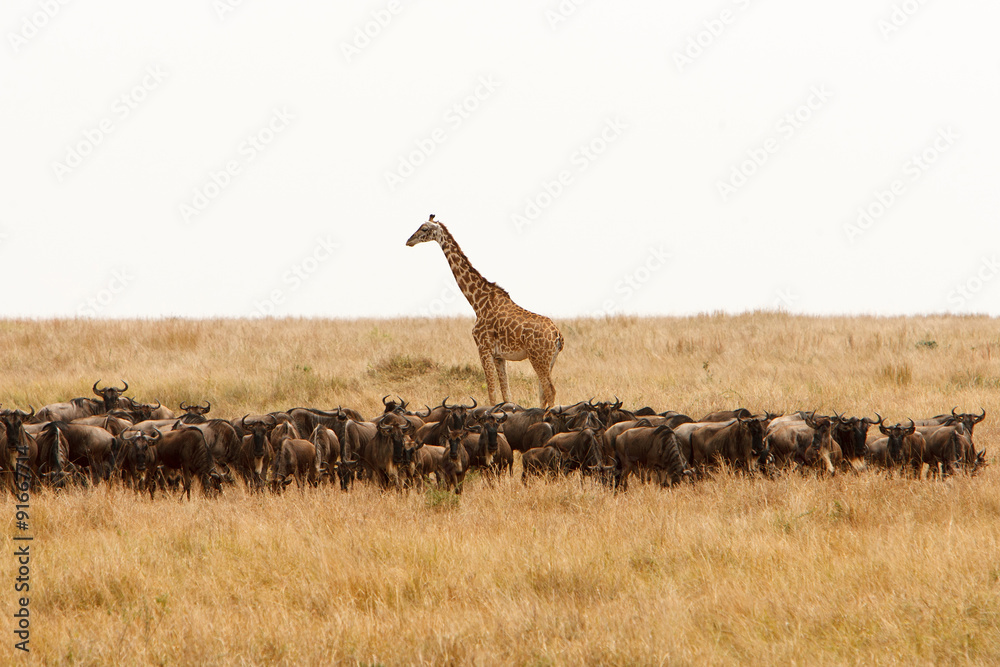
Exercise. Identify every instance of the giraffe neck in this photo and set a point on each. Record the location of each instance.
(477, 290)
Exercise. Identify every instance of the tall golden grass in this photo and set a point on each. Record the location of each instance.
(869, 568)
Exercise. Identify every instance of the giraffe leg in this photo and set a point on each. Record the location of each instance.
(489, 367)
(546, 390)
(501, 365)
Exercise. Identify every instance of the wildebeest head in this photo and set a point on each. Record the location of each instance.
(822, 441)
(259, 430)
(490, 423)
(143, 411)
(586, 419)
(851, 433)
(13, 422)
(196, 409)
(394, 428)
(110, 395)
(394, 406)
(454, 437)
(139, 452)
(896, 434)
(967, 419)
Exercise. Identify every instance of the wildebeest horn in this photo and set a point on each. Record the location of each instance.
(427, 414)
(384, 402)
(444, 403)
(158, 405)
(868, 421)
(982, 416)
(474, 403)
(402, 403)
(208, 406)
(244, 420)
(953, 412)
(33, 413)
(274, 420)
(505, 415)
(185, 407)
(125, 388)
(95, 388)
(912, 425)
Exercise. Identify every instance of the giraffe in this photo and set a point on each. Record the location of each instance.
(503, 331)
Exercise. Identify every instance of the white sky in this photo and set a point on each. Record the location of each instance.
(641, 227)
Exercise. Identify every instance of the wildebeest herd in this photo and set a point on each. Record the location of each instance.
(117, 439)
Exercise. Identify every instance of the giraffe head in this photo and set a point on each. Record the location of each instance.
(429, 231)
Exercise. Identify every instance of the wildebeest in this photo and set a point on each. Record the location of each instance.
(255, 451)
(966, 419)
(113, 422)
(110, 395)
(327, 449)
(196, 409)
(455, 464)
(69, 410)
(19, 447)
(581, 449)
(296, 459)
(541, 462)
(382, 456)
(944, 446)
(136, 456)
(822, 451)
(490, 424)
(739, 442)
(652, 447)
(904, 446)
(185, 450)
(53, 454)
(851, 434)
(91, 447)
(222, 440)
(726, 415)
(518, 424)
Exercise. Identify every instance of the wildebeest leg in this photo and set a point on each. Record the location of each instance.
(187, 484)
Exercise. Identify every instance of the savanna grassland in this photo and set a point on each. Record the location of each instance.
(856, 569)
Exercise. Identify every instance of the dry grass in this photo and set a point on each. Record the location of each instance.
(855, 569)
